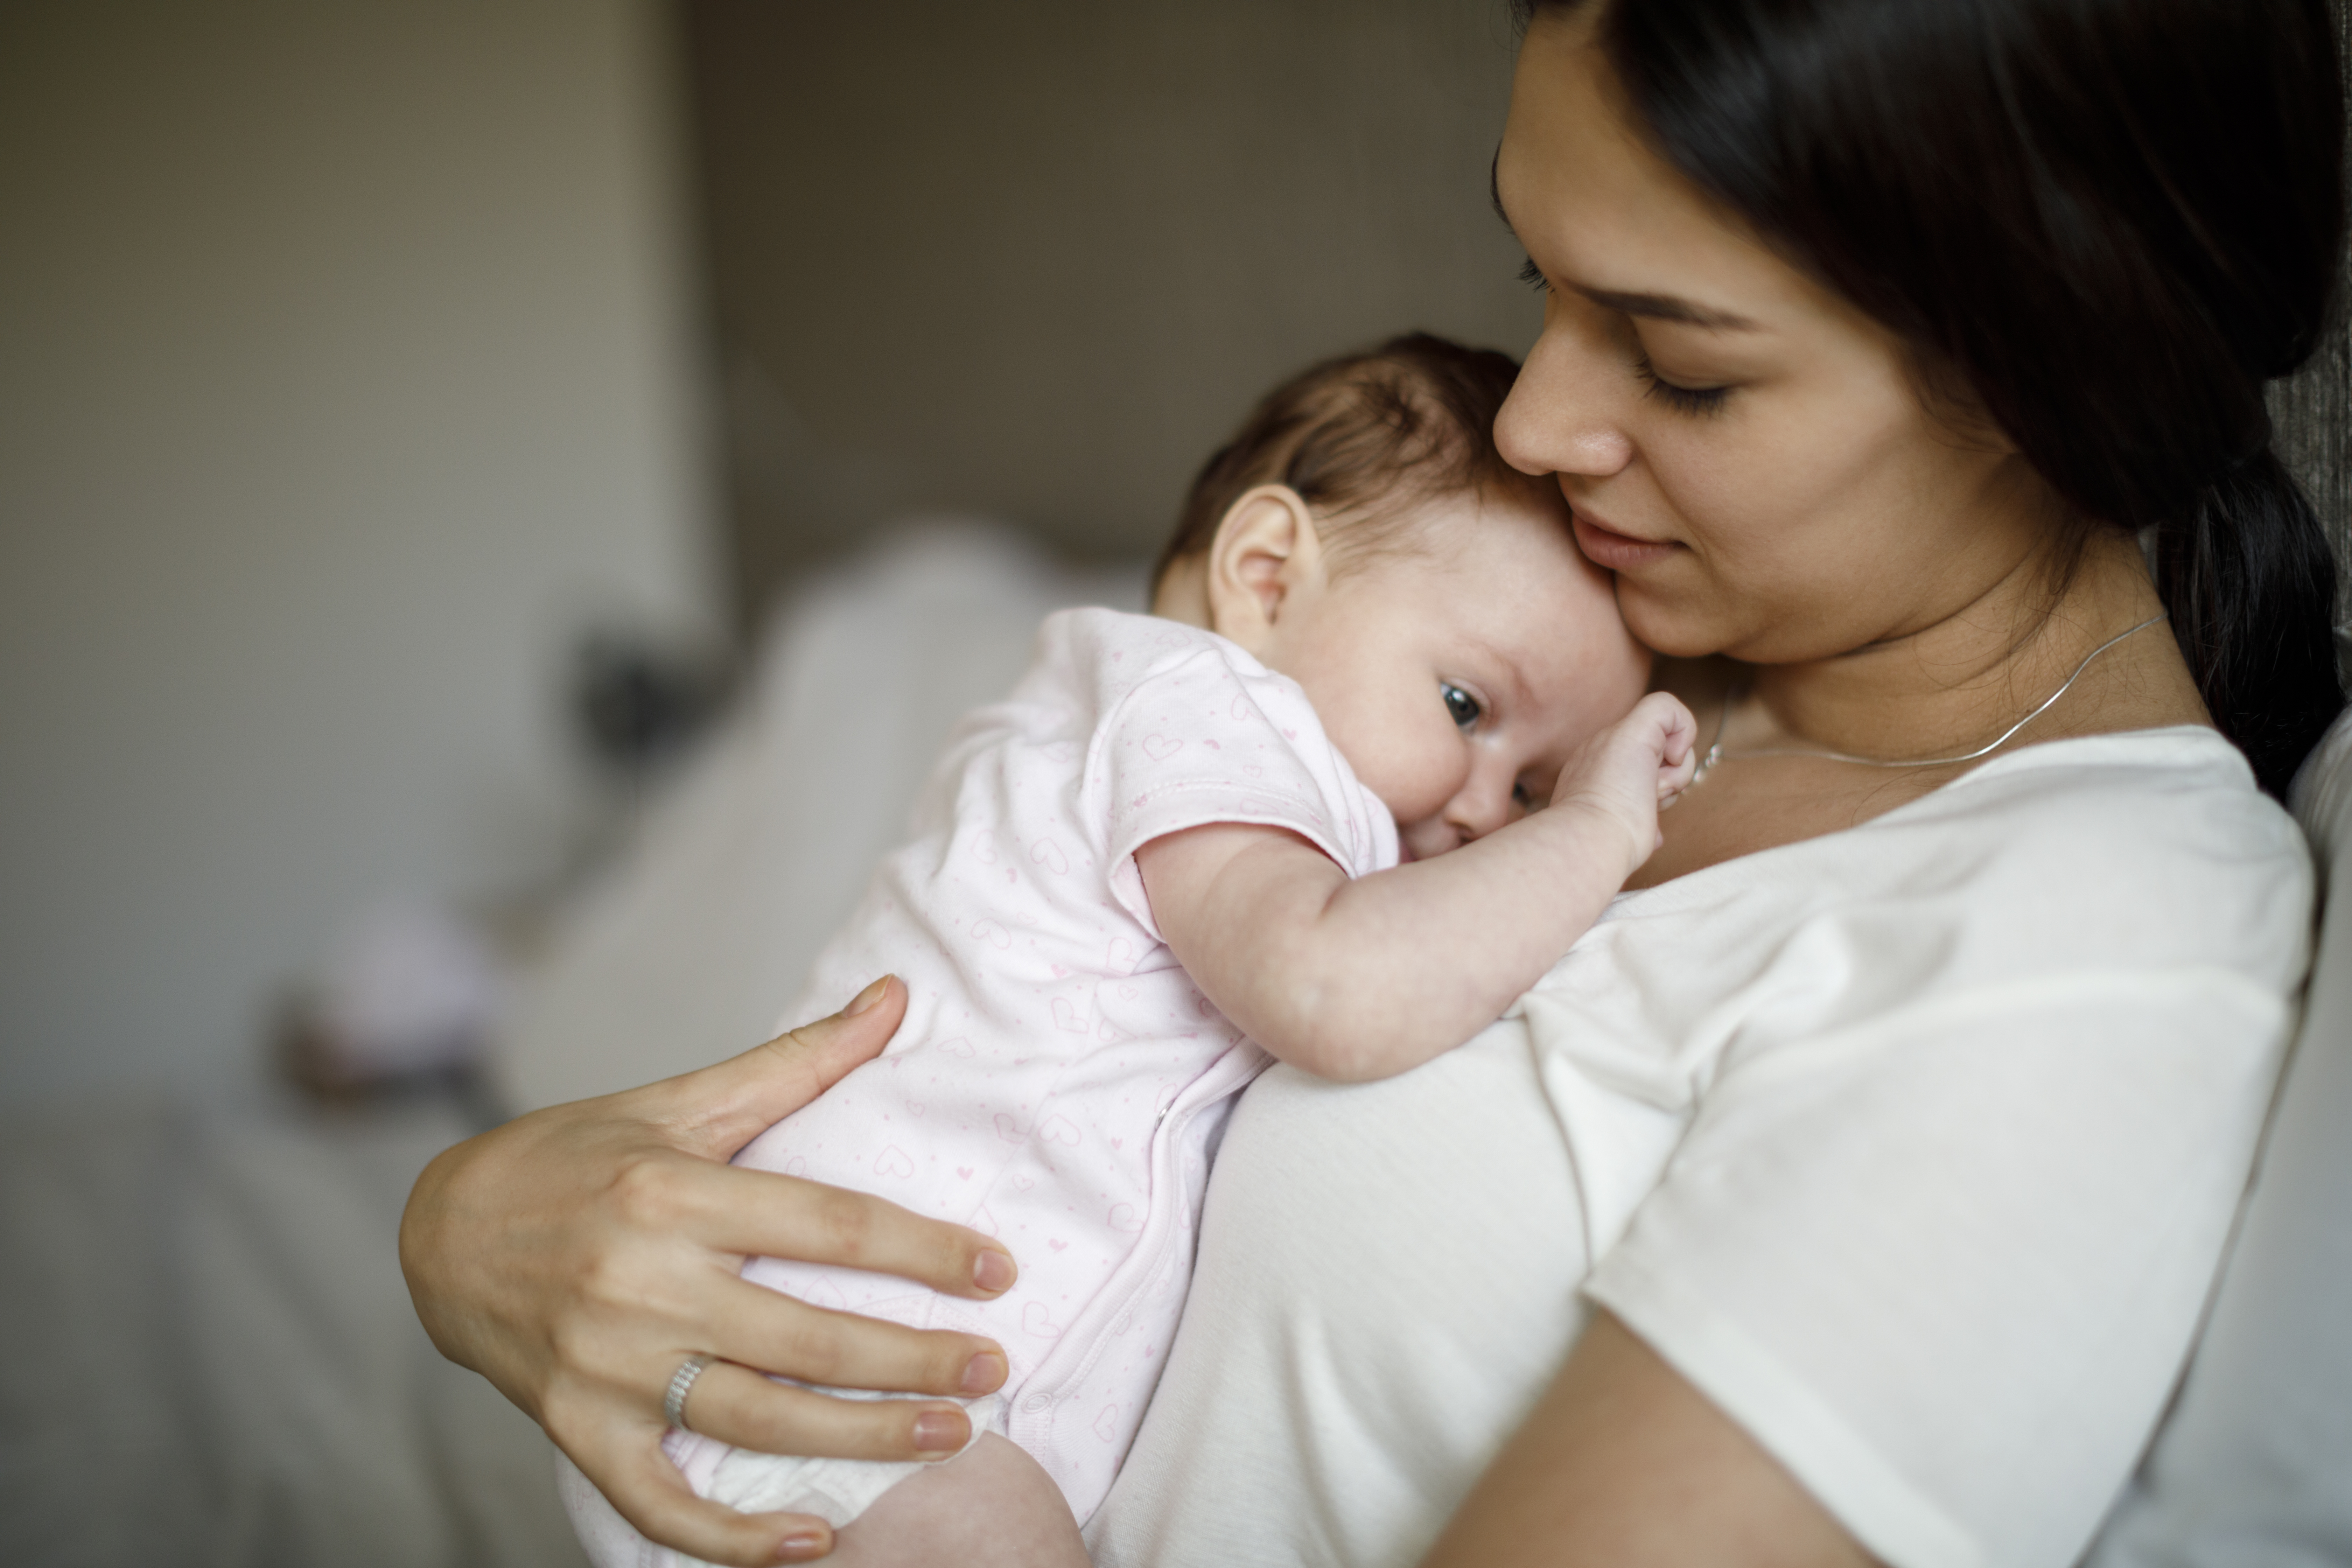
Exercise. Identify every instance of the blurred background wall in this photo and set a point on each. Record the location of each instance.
(347, 371)
(1038, 258)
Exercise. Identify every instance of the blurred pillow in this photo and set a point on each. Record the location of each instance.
(689, 948)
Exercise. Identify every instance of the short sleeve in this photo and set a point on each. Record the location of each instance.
(1210, 736)
(1945, 1262)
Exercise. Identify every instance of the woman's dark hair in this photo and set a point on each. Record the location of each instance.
(2111, 221)
(1365, 439)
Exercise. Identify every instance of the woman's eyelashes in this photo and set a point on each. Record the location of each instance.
(1680, 398)
(1465, 709)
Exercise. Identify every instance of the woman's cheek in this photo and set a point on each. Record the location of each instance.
(1717, 490)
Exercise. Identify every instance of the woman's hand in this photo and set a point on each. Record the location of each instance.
(576, 1255)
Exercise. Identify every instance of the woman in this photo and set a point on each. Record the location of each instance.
(1854, 1191)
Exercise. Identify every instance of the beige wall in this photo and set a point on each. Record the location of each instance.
(1037, 258)
(343, 376)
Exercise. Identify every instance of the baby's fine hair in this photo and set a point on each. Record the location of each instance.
(1366, 440)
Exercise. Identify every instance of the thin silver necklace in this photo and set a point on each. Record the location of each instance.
(1716, 754)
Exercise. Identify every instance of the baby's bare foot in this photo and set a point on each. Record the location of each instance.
(992, 1506)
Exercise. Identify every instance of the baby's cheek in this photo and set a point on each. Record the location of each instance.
(1407, 752)
(1419, 809)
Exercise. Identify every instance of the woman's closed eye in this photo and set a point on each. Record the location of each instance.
(1465, 709)
(1680, 398)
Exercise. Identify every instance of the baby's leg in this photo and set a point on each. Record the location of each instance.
(992, 1506)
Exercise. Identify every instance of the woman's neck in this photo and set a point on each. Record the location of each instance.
(1960, 683)
(1943, 691)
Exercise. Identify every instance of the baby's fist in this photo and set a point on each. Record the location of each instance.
(1631, 768)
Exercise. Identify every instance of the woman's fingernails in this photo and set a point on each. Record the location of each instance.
(941, 1431)
(867, 997)
(800, 1545)
(983, 1374)
(992, 1271)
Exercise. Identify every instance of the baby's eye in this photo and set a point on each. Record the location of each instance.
(1461, 705)
(1523, 797)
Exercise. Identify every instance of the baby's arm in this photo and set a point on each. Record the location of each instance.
(1360, 978)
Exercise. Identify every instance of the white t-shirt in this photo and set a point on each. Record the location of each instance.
(1914, 1146)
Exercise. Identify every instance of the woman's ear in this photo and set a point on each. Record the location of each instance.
(1266, 552)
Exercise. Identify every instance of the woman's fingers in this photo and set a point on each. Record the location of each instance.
(665, 1285)
(737, 1405)
(577, 1255)
(638, 1479)
(717, 1110)
(769, 1331)
(762, 1215)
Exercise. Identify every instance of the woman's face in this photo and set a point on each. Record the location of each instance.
(1746, 450)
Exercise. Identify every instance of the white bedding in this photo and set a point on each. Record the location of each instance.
(212, 1359)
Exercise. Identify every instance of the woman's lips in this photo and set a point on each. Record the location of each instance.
(1617, 551)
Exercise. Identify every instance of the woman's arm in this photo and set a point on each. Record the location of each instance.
(576, 1255)
(1358, 979)
(1624, 1464)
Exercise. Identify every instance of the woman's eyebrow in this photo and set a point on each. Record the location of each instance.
(1668, 308)
(1655, 307)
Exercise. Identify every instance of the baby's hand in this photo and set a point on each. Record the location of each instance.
(1628, 771)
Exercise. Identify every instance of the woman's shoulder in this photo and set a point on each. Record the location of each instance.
(2164, 802)
(2126, 852)
(2147, 847)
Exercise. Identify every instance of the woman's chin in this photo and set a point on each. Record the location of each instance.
(1673, 627)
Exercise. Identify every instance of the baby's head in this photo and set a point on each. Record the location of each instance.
(1362, 535)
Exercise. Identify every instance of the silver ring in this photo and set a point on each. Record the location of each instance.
(681, 1383)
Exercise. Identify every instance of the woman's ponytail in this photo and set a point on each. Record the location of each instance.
(2250, 581)
(2111, 221)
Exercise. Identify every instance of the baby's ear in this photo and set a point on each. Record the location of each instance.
(1267, 548)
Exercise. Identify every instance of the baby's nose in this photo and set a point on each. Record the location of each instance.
(1485, 804)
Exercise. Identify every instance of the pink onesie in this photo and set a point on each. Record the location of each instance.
(1058, 1079)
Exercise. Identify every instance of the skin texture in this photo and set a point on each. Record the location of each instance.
(1465, 680)
(1887, 567)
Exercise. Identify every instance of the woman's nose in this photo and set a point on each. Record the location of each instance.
(1562, 415)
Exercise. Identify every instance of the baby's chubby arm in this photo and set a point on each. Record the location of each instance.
(1358, 979)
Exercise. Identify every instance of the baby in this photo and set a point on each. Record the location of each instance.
(1293, 814)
